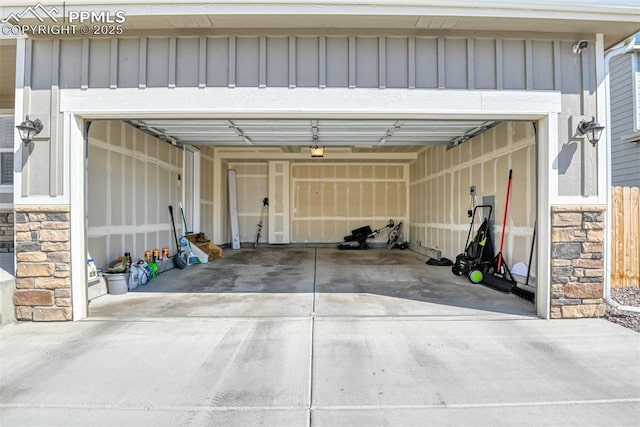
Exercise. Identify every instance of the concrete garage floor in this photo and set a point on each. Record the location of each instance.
(407, 355)
(293, 282)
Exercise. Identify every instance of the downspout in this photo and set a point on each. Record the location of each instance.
(619, 49)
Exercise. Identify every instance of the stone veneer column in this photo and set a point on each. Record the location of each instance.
(6, 231)
(577, 265)
(43, 255)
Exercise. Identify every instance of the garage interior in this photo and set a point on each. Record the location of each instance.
(415, 171)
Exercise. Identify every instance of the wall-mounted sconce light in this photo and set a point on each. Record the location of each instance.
(591, 129)
(28, 129)
(317, 151)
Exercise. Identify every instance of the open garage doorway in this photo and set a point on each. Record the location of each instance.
(418, 172)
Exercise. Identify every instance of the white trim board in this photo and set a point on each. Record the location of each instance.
(308, 102)
(612, 10)
(305, 102)
(77, 185)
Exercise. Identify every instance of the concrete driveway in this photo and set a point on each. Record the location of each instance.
(400, 358)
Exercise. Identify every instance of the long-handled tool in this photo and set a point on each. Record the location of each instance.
(184, 220)
(180, 259)
(265, 203)
(504, 220)
(192, 259)
(533, 242)
(498, 275)
(521, 292)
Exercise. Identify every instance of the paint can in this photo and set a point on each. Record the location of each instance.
(156, 255)
(165, 253)
(147, 256)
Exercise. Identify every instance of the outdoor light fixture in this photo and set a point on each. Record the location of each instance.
(28, 129)
(580, 46)
(592, 130)
(317, 151)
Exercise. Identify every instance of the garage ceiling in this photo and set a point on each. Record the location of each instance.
(323, 132)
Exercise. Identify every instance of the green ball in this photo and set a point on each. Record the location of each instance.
(476, 276)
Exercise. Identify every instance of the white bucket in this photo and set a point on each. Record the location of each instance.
(117, 283)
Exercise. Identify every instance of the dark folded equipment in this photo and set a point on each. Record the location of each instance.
(442, 262)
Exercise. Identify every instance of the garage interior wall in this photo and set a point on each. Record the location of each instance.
(207, 200)
(330, 200)
(327, 200)
(224, 223)
(440, 190)
(252, 181)
(132, 179)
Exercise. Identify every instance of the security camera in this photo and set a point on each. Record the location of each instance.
(580, 46)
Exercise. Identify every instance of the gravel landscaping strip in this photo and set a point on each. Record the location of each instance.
(628, 319)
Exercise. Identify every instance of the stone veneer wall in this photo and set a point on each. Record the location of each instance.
(43, 254)
(6, 231)
(577, 265)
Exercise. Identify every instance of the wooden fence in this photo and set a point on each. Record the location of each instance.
(625, 237)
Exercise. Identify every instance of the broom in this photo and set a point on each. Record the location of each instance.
(498, 275)
(179, 259)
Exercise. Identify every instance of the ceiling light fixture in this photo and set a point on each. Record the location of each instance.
(317, 151)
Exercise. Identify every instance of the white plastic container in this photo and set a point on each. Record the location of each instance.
(92, 270)
(117, 283)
